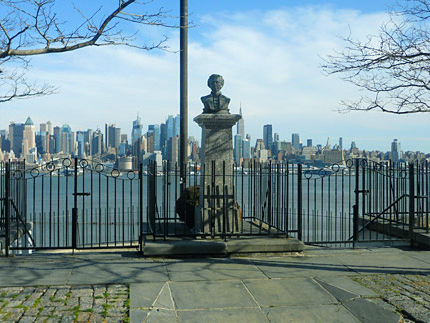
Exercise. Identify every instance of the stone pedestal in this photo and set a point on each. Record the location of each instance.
(216, 186)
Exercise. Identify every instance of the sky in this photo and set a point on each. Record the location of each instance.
(269, 53)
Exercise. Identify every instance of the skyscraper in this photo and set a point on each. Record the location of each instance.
(80, 138)
(241, 125)
(57, 131)
(97, 143)
(136, 133)
(267, 136)
(16, 132)
(66, 140)
(246, 149)
(340, 143)
(170, 125)
(396, 152)
(154, 131)
(295, 141)
(238, 148)
(29, 133)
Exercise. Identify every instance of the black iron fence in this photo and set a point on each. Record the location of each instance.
(72, 203)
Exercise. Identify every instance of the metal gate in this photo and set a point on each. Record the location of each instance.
(391, 201)
(72, 204)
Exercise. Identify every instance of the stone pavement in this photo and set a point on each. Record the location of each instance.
(341, 285)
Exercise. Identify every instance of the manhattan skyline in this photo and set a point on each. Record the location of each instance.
(270, 67)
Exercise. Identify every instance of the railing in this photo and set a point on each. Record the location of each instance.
(72, 203)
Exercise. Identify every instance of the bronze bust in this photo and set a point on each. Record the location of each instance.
(215, 102)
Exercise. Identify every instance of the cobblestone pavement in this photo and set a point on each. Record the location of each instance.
(410, 294)
(96, 303)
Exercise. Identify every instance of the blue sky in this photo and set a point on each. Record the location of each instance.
(269, 53)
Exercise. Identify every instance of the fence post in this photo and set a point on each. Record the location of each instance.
(357, 201)
(354, 225)
(141, 237)
(7, 208)
(299, 202)
(75, 208)
(411, 201)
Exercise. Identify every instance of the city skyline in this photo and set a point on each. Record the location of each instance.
(271, 69)
(268, 134)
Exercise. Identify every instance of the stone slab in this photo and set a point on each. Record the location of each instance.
(30, 274)
(340, 294)
(226, 315)
(212, 269)
(255, 245)
(349, 285)
(289, 292)
(209, 295)
(144, 295)
(184, 247)
(285, 267)
(369, 312)
(389, 263)
(172, 248)
(100, 272)
(311, 314)
(137, 316)
(161, 316)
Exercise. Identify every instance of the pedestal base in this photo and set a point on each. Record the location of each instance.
(217, 211)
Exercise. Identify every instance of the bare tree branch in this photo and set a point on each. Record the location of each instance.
(34, 27)
(393, 67)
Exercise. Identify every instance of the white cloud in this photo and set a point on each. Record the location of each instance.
(270, 63)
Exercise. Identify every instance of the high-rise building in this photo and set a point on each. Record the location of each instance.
(66, 140)
(154, 131)
(267, 136)
(170, 124)
(57, 132)
(163, 136)
(49, 124)
(16, 133)
(136, 134)
(80, 139)
(246, 149)
(43, 127)
(173, 149)
(97, 143)
(396, 152)
(112, 136)
(241, 125)
(340, 143)
(295, 141)
(238, 148)
(29, 133)
(309, 143)
(177, 126)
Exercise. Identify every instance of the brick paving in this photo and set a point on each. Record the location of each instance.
(95, 303)
(410, 294)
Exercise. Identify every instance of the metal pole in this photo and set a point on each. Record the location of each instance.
(411, 202)
(7, 208)
(183, 88)
(299, 202)
(75, 208)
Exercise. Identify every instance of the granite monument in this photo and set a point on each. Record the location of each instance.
(217, 213)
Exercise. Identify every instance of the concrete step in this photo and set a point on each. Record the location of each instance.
(221, 248)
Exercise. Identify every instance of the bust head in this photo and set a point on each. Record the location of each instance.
(216, 82)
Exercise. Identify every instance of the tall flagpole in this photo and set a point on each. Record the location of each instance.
(183, 89)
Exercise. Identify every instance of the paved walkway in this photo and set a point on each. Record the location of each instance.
(362, 285)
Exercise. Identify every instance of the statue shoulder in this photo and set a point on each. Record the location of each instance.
(227, 99)
(205, 98)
